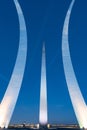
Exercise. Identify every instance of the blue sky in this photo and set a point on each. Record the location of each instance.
(44, 21)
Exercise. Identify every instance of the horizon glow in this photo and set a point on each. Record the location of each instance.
(79, 105)
(11, 95)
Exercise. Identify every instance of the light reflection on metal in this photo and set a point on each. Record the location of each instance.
(43, 92)
(77, 99)
(10, 98)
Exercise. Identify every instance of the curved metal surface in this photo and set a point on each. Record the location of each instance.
(77, 99)
(10, 98)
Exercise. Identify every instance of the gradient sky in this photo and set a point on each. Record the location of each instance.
(44, 21)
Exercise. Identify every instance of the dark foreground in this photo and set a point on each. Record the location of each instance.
(42, 129)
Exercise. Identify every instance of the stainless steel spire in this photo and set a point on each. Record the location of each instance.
(43, 91)
(77, 99)
(10, 98)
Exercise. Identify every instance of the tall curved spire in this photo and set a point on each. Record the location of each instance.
(10, 98)
(77, 99)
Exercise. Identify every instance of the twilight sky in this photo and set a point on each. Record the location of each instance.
(44, 21)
